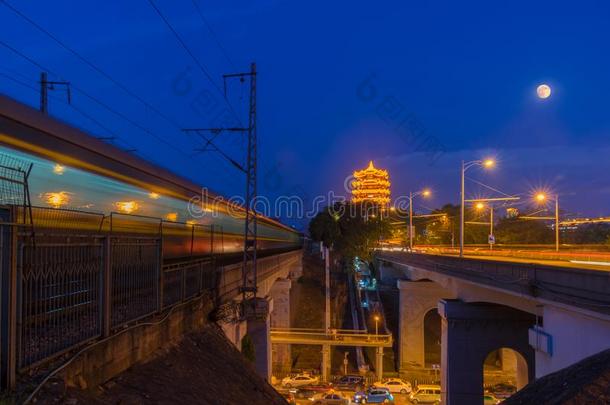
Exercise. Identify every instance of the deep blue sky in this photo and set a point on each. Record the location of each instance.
(466, 71)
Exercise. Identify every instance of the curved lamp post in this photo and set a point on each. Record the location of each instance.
(486, 164)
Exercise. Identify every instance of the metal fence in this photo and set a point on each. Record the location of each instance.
(74, 286)
(185, 280)
(59, 294)
(135, 264)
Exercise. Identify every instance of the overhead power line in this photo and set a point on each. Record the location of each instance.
(78, 110)
(90, 64)
(97, 101)
(213, 34)
(199, 64)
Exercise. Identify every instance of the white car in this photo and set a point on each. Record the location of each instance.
(395, 385)
(299, 380)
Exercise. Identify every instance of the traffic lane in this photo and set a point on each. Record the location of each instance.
(580, 264)
(556, 263)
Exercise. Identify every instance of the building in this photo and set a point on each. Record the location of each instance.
(371, 185)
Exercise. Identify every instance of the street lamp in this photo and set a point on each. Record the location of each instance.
(480, 206)
(376, 324)
(541, 198)
(425, 193)
(486, 164)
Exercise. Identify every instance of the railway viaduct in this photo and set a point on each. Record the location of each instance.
(275, 276)
(101, 250)
(551, 317)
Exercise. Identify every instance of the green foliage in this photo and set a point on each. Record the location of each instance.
(442, 230)
(516, 231)
(588, 233)
(324, 227)
(247, 348)
(351, 229)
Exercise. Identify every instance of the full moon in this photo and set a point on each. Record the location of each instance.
(543, 91)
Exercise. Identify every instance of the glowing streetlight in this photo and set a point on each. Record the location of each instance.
(541, 198)
(425, 193)
(486, 164)
(376, 324)
(479, 206)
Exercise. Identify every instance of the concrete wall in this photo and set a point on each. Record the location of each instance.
(416, 299)
(280, 318)
(469, 333)
(574, 336)
(234, 331)
(116, 354)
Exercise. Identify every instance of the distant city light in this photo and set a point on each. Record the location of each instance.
(426, 193)
(172, 216)
(543, 91)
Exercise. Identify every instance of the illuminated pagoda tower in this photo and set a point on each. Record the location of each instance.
(371, 185)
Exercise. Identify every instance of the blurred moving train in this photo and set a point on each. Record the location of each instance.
(79, 182)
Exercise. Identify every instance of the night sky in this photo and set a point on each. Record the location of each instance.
(336, 81)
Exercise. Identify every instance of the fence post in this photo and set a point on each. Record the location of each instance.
(107, 287)
(160, 272)
(13, 307)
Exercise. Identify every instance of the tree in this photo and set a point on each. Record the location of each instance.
(324, 227)
(445, 229)
(352, 229)
(588, 234)
(516, 231)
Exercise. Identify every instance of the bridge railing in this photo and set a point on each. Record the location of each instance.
(582, 288)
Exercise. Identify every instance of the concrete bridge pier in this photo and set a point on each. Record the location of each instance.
(326, 359)
(417, 298)
(470, 331)
(259, 331)
(280, 318)
(379, 363)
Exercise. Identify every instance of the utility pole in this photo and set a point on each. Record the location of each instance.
(249, 271)
(250, 226)
(491, 227)
(557, 223)
(45, 86)
(327, 288)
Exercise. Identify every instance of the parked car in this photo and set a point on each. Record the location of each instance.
(374, 395)
(308, 391)
(299, 380)
(350, 383)
(334, 398)
(395, 385)
(426, 394)
(489, 399)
